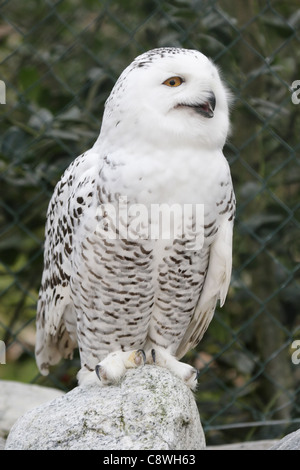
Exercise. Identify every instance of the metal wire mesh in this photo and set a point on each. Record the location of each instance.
(59, 60)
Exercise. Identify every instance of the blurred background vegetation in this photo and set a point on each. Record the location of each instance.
(59, 61)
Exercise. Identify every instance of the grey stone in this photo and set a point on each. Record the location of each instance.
(289, 442)
(17, 398)
(149, 409)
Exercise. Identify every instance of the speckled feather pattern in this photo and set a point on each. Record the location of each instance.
(104, 294)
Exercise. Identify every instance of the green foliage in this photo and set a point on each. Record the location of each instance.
(59, 61)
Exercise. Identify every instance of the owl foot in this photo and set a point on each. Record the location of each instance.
(113, 367)
(185, 372)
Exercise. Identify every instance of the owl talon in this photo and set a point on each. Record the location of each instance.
(161, 357)
(113, 367)
(153, 356)
(140, 356)
(98, 372)
(191, 376)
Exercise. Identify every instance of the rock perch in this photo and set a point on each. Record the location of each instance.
(150, 409)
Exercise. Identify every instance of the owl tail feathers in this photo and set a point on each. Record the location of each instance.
(50, 349)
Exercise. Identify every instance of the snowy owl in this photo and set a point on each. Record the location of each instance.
(114, 285)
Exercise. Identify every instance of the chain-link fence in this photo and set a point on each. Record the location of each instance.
(59, 60)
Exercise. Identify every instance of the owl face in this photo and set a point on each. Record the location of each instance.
(171, 95)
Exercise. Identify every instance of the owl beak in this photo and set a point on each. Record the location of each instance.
(206, 109)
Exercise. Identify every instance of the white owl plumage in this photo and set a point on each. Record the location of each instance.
(129, 300)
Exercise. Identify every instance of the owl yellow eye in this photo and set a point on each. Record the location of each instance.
(173, 81)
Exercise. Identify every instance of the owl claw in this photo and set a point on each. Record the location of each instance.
(153, 356)
(163, 358)
(191, 377)
(98, 372)
(114, 366)
(140, 355)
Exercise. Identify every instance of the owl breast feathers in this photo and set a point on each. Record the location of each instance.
(138, 239)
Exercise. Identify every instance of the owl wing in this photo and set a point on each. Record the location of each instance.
(56, 320)
(216, 283)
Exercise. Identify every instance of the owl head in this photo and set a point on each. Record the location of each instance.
(166, 97)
